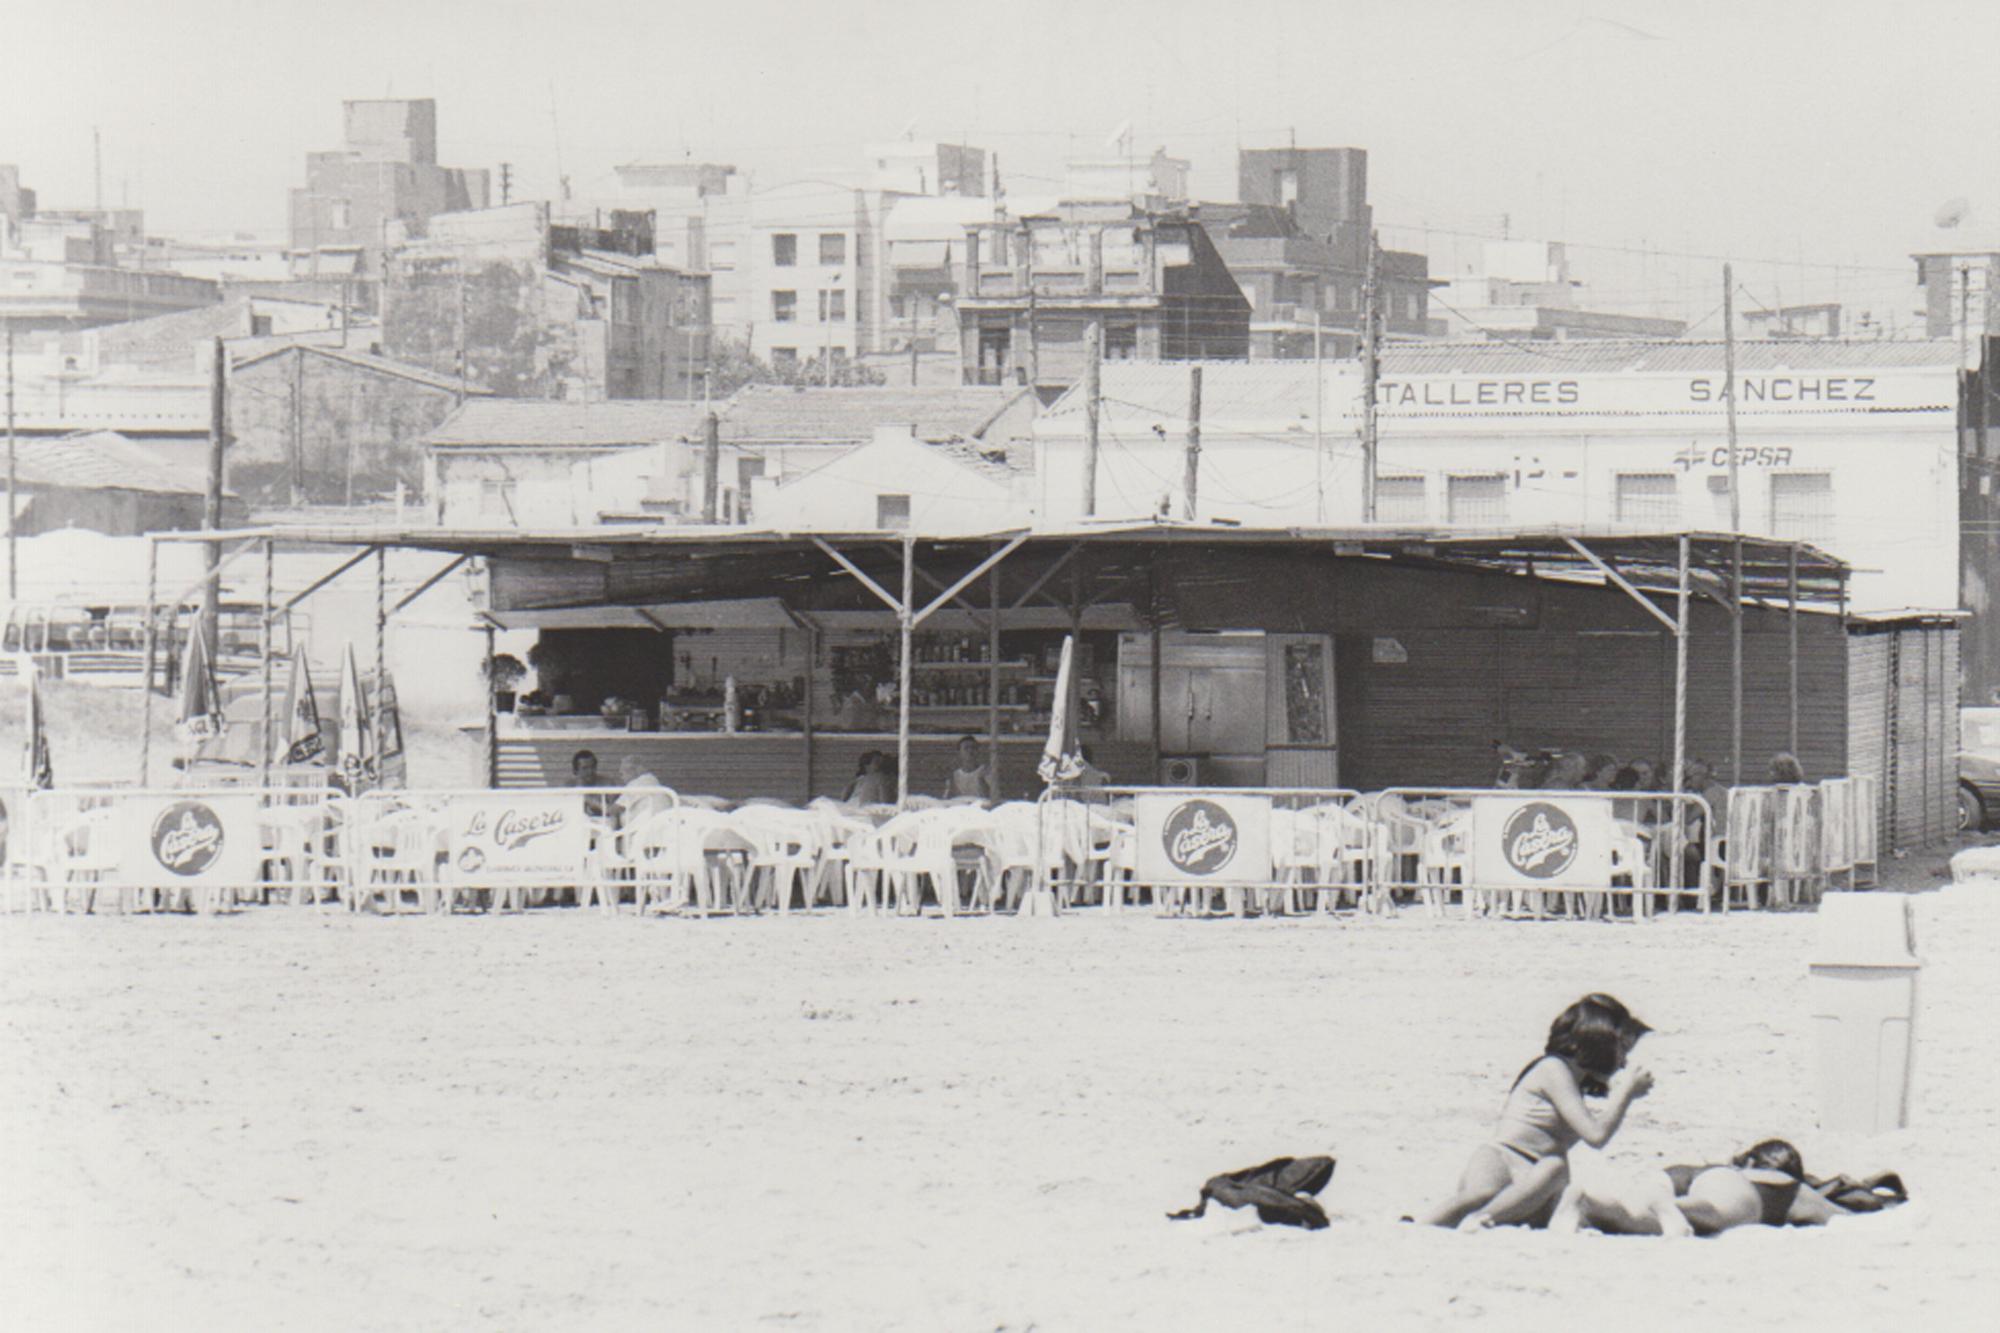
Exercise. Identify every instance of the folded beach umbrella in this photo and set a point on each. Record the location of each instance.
(201, 698)
(1060, 761)
(36, 770)
(299, 740)
(354, 743)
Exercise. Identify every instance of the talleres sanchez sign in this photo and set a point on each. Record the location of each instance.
(1900, 389)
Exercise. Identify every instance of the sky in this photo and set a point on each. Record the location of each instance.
(1812, 142)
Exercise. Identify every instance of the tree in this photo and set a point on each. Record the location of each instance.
(732, 365)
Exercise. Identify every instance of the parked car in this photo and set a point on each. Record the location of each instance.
(1978, 767)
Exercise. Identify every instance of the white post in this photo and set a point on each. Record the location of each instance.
(903, 620)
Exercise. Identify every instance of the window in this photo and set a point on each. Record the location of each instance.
(260, 326)
(1121, 342)
(892, 513)
(1476, 501)
(340, 215)
(1288, 186)
(1399, 500)
(496, 501)
(722, 255)
(1649, 497)
(833, 306)
(784, 249)
(784, 307)
(1802, 505)
(832, 248)
(784, 358)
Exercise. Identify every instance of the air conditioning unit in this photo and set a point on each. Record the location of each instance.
(1181, 770)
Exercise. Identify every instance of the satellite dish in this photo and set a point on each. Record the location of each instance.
(1119, 135)
(909, 129)
(1952, 212)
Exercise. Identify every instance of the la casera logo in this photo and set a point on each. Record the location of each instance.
(1539, 840)
(1200, 838)
(187, 837)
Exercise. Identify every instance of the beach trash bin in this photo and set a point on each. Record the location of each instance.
(1863, 992)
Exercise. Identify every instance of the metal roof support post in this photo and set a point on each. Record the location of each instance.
(381, 640)
(1013, 544)
(264, 664)
(906, 625)
(1681, 674)
(428, 584)
(1624, 584)
(325, 579)
(152, 644)
(1792, 633)
(993, 675)
(1736, 663)
(492, 718)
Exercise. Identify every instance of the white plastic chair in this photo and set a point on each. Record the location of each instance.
(1836, 829)
(1740, 859)
(1864, 829)
(1795, 843)
(396, 851)
(784, 848)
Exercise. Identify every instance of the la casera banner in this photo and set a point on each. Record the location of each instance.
(1529, 842)
(200, 838)
(518, 837)
(1202, 838)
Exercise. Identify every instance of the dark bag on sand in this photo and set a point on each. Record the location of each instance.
(1280, 1190)
(1871, 1195)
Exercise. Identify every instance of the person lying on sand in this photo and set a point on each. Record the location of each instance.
(1763, 1185)
(1518, 1175)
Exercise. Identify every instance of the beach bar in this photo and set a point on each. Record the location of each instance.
(743, 662)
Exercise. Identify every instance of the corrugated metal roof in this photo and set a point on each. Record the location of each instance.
(103, 460)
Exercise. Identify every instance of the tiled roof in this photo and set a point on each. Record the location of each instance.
(775, 414)
(381, 365)
(990, 465)
(103, 460)
(611, 425)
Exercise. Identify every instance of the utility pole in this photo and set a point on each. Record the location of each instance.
(1319, 432)
(298, 471)
(1371, 368)
(1093, 351)
(13, 583)
(506, 183)
(461, 335)
(97, 173)
(1729, 391)
(211, 514)
(1736, 530)
(711, 465)
(1193, 439)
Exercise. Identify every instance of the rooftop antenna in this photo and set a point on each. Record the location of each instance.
(555, 130)
(909, 131)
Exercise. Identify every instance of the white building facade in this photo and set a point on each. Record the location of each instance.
(1849, 447)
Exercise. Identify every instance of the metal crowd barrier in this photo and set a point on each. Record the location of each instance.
(1194, 850)
(210, 849)
(1534, 853)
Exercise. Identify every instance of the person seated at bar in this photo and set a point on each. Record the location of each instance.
(640, 794)
(870, 785)
(971, 777)
(1786, 771)
(1090, 775)
(583, 774)
(858, 712)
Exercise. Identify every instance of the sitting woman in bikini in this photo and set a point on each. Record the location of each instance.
(1519, 1174)
(1763, 1185)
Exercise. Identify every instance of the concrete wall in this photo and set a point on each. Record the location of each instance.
(314, 430)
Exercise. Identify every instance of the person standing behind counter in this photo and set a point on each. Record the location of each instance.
(971, 778)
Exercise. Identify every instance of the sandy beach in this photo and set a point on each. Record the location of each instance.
(301, 1119)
